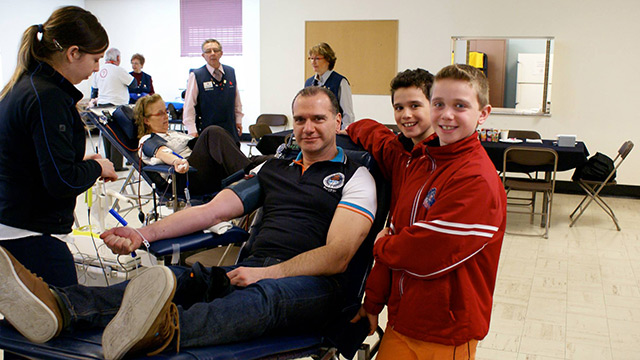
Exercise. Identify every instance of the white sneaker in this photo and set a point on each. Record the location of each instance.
(147, 319)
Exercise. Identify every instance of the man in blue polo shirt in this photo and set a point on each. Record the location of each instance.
(317, 209)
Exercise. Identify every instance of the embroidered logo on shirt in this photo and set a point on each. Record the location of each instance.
(333, 181)
(430, 199)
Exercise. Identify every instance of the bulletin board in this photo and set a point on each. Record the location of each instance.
(367, 52)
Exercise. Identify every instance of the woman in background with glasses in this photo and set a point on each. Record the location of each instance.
(213, 153)
(323, 59)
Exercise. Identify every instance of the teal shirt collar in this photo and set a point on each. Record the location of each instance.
(339, 157)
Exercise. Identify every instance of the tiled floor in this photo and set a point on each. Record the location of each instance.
(575, 295)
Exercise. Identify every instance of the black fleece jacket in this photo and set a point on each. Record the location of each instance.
(42, 146)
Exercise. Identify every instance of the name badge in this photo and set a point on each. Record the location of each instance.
(208, 85)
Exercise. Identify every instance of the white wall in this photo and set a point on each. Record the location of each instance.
(145, 26)
(16, 17)
(152, 28)
(595, 95)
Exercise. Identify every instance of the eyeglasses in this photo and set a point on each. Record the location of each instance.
(209, 51)
(315, 58)
(159, 113)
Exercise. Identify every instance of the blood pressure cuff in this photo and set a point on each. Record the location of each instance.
(152, 145)
(250, 193)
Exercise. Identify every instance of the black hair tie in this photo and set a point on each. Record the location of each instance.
(40, 28)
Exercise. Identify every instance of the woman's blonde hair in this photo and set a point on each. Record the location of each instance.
(66, 27)
(139, 113)
(323, 49)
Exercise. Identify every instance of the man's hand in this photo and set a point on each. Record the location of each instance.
(384, 232)
(92, 157)
(194, 134)
(373, 319)
(121, 240)
(245, 276)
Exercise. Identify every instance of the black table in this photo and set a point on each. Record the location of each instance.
(568, 157)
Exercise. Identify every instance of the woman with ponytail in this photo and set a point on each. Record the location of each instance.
(43, 167)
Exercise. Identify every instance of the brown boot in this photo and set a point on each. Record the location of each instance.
(27, 302)
(147, 320)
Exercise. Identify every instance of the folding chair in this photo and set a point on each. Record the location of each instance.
(593, 188)
(531, 159)
(257, 131)
(273, 120)
(524, 134)
(342, 337)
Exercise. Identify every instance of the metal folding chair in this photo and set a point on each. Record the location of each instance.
(524, 134)
(257, 131)
(531, 159)
(593, 188)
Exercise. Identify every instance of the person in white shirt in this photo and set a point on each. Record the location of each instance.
(110, 87)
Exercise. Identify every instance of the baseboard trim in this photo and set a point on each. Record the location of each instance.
(569, 187)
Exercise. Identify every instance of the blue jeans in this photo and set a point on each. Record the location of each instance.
(269, 306)
(45, 256)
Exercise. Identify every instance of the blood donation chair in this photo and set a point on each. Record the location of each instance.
(341, 337)
(120, 131)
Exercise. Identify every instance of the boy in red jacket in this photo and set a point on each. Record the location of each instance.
(436, 264)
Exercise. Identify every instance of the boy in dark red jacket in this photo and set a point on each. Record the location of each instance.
(436, 264)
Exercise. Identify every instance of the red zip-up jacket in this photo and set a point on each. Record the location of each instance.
(437, 271)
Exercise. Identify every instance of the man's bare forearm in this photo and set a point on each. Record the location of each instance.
(225, 206)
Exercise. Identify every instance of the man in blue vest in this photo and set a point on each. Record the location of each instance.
(212, 96)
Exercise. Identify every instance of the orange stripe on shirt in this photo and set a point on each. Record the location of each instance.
(356, 211)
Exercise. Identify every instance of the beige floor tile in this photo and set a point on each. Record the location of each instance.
(513, 290)
(584, 329)
(523, 356)
(551, 286)
(624, 335)
(627, 288)
(580, 351)
(500, 341)
(621, 301)
(543, 308)
(491, 354)
(542, 330)
(521, 268)
(624, 354)
(623, 313)
(586, 303)
(504, 310)
(551, 266)
(550, 348)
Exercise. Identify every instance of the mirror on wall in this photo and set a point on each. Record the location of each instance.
(519, 70)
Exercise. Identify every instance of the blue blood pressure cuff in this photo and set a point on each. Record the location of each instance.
(250, 193)
(152, 145)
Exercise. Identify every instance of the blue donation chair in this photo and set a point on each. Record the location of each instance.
(342, 338)
(119, 129)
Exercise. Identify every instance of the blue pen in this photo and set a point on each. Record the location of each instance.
(122, 221)
(176, 154)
